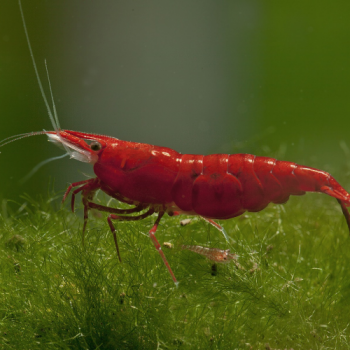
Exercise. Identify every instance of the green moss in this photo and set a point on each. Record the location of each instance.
(290, 289)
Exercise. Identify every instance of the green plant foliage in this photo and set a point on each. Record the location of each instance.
(289, 288)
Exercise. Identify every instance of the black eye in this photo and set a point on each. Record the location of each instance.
(95, 146)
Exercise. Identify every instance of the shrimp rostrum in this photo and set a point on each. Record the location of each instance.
(158, 180)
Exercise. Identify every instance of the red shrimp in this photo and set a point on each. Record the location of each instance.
(159, 180)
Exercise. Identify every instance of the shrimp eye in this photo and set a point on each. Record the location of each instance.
(95, 146)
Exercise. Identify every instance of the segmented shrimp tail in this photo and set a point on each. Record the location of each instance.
(345, 211)
(342, 196)
(336, 191)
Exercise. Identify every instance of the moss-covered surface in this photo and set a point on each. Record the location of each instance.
(291, 288)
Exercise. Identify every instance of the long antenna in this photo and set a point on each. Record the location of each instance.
(38, 166)
(52, 99)
(54, 124)
(53, 116)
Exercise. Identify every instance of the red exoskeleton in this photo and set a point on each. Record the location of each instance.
(158, 180)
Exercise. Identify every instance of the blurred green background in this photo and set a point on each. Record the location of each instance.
(264, 77)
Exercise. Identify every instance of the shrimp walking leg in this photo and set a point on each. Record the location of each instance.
(159, 248)
(88, 189)
(111, 210)
(91, 205)
(217, 226)
(151, 234)
(75, 184)
(124, 218)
